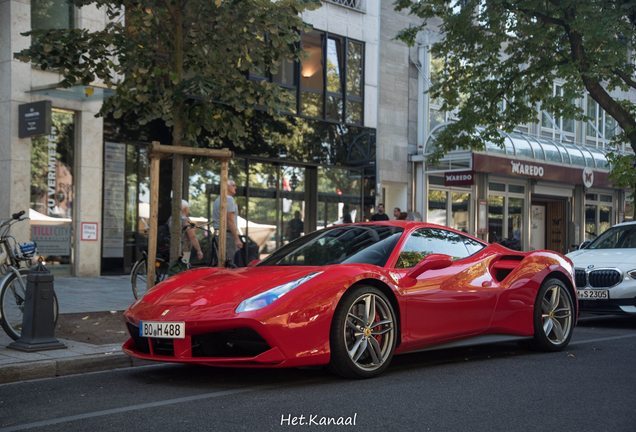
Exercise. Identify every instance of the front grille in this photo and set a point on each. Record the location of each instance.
(604, 278)
(140, 342)
(580, 278)
(163, 346)
(240, 342)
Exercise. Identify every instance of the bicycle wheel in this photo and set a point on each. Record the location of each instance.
(12, 297)
(139, 275)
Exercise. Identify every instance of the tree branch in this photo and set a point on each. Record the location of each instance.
(622, 75)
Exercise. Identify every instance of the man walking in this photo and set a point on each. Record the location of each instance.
(380, 216)
(232, 240)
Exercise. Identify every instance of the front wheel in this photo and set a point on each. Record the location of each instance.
(553, 317)
(139, 275)
(12, 299)
(363, 334)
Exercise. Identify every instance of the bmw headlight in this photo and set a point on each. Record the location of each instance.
(632, 273)
(265, 298)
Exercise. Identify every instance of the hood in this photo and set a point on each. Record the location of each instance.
(604, 258)
(201, 287)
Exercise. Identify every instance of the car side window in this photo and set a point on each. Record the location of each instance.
(426, 241)
(472, 245)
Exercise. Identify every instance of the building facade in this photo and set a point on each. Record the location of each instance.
(91, 173)
(547, 189)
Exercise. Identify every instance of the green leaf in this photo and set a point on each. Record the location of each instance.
(47, 48)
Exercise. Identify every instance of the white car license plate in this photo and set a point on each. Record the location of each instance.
(592, 294)
(160, 329)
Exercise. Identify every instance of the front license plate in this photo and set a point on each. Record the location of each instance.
(591, 294)
(160, 329)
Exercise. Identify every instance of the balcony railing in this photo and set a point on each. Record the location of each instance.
(353, 4)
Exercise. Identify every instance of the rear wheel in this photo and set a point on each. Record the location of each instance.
(363, 334)
(553, 317)
(12, 300)
(139, 275)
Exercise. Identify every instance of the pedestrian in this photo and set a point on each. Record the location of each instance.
(346, 214)
(188, 238)
(396, 212)
(232, 240)
(380, 215)
(295, 227)
(403, 216)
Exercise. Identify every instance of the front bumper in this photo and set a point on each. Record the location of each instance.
(611, 306)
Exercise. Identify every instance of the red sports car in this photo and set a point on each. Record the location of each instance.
(352, 296)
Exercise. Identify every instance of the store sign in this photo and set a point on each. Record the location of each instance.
(34, 119)
(559, 173)
(588, 177)
(463, 178)
(52, 239)
(526, 170)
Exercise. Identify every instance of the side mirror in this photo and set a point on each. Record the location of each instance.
(253, 263)
(431, 262)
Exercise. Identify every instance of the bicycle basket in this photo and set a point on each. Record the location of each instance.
(28, 249)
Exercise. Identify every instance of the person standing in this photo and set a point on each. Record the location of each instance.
(232, 240)
(380, 215)
(396, 212)
(295, 226)
(188, 238)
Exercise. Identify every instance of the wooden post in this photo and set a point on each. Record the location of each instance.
(223, 213)
(154, 215)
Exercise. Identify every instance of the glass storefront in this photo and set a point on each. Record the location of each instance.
(52, 192)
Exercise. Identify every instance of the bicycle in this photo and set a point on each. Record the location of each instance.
(138, 274)
(13, 286)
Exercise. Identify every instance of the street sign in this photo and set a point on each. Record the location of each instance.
(34, 119)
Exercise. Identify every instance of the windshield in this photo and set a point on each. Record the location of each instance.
(619, 237)
(352, 244)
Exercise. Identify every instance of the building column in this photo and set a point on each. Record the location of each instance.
(15, 80)
(89, 153)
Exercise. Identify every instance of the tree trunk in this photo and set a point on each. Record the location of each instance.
(177, 137)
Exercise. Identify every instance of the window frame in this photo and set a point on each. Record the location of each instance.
(344, 96)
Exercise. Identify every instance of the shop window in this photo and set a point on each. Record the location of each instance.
(437, 207)
(52, 192)
(505, 215)
(51, 14)
(598, 214)
(629, 211)
(459, 212)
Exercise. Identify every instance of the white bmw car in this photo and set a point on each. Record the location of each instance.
(605, 272)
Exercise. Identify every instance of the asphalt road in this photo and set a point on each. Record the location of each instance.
(499, 387)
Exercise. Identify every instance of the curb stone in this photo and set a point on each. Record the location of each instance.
(26, 371)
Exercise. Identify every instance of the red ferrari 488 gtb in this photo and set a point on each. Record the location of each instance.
(351, 296)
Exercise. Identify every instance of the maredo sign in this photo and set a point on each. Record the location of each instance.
(459, 178)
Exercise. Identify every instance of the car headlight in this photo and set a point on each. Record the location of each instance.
(632, 273)
(265, 298)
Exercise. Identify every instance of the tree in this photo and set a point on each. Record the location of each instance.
(509, 51)
(185, 62)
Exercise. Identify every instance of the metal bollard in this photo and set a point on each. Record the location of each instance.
(38, 320)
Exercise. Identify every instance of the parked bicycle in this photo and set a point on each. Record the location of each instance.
(163, 270)
(15, 261)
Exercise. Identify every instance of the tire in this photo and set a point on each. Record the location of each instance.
(139, 279)
(553, 317)
(357, 349)
(12, 298)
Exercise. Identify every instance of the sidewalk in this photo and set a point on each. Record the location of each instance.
(75, 295)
